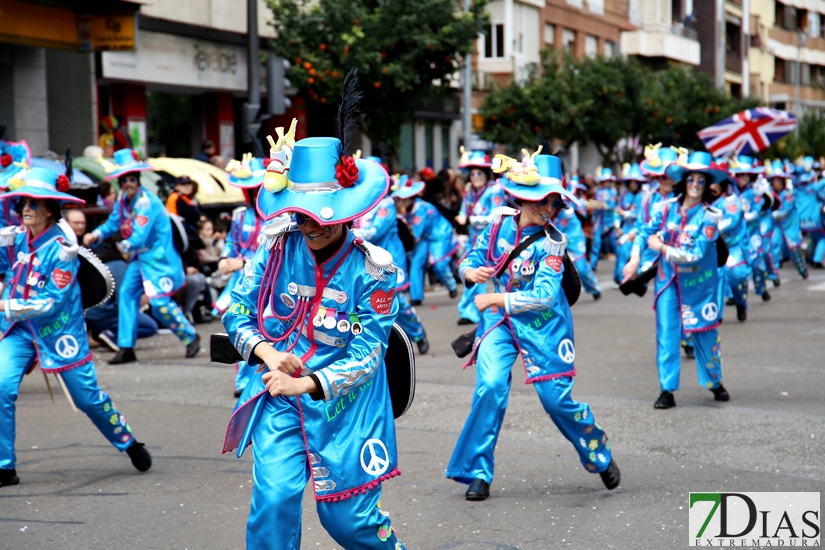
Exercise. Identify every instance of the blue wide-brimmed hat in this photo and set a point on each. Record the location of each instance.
(776, 169)
(373, 158)
(42, 183)
(632, 172)
(408, 188)
(657, 160)
(312, 188)
(605, 174)
(474, 159)
(574, 183)
(14, 157)
(805, 170)
(126, 161)
(247, 173)
(548, 179)
(744, 165)
(698, 161)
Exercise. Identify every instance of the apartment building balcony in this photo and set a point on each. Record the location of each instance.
(677, 42)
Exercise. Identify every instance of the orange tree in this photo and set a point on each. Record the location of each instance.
(406, 52)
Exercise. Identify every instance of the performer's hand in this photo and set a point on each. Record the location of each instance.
(654, 242)
(279, 383)
(276, 360)
(230, 265)
(484, 301)
(618, 231)
(89, 238)
(479, 275)
(630, 269)
(461, 219)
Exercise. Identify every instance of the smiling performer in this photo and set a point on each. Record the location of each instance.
(314, 309)
(155, 266)
(41, 317)
(684, 234)
(529, 314)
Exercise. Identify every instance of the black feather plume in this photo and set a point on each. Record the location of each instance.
(68, 162)
(349, 114)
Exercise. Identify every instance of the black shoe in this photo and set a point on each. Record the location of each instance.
(125, 355)
(193, 347)
(689, 352)
(665, 401)
(612, 476)
(766, 297)
(730, 302)
(720, 393)
(238, 393)
(805, 275)
(454, 293)
(479, 490)
(465, 321)
(415, 302)
(8, 477)
(741, 313)
(141, 459)
(817, 265)
(776, 282)
(108, 339)
(597, 296)
(423, 345)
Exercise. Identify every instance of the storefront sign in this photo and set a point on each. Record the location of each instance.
(179, 61)
(107, 32)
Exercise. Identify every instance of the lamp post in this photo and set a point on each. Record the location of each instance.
(796, 108)
(468, 91)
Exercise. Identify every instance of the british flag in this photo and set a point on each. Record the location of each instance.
(747, 132)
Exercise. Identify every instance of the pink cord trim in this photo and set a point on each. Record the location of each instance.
(550, 377)
(344, 495)
(74, 365)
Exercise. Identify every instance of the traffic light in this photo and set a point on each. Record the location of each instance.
(277, 85)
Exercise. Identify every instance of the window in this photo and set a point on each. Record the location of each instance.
(611, 49)
(494, 40)
(591, 46)
(549, 34)
(814, 25)
(779, 70)
(804, 74)
(569, 40)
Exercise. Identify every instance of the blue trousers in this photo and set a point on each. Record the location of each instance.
(781, 249)
(608, 243)
(588, 278)
(420, 262)
(164, 309)
(818, 244)
(706, 345)
(243, 372)
(473, 454)
(281, 471)
(736, 284)
(622, 256)
(466, 304)
(17, 351)
(407, 317)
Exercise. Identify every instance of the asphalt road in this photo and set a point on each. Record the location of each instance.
(78, 492)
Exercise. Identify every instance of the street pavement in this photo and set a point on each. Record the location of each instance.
(77, 492)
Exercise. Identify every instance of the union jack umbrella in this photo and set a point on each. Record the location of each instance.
(747, 132)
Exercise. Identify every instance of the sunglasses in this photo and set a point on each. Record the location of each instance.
(130, 179)
(557, 203)
(695, 179)
(24, 202)
(299, 218)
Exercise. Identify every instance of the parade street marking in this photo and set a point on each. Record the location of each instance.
(378, 461)
(819, 287)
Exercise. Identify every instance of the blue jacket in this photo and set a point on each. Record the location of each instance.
(810, 199)
(147, 231)
(651, 204)
(786, 219)
(734, 230)
(242, 239)
(690, 261)
(568, 223)
(537, 312)
(380, 227)
(427, 224)
(338, 316)
(43, 296)
(604, 219)
(478, 206)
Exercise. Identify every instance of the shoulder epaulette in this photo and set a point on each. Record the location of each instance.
(377, 261)
(239, 211)
(500, 211)
(276, 230)
(713, 214)
(68, 250)
(143, 202)
(555, 242)
(8, 234)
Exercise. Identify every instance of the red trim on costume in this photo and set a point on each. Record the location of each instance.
(344, 495)
(546, 377)
(74, 365)
(447, 255)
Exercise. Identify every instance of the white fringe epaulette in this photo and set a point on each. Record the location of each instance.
(555, 243)
(500, 211)
(276, 230)
(68, 250)
(238, 212)
(377, 261)
(143, 202)
(8, 234)
(713, 215)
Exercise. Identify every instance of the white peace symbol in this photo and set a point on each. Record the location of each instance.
(756, 241)
(710, 311)
(567, 352)
(166, 284)
(377, 465)
(66, 346)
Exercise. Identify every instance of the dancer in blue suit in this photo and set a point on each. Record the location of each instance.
(41, 318)
(528, 314)
(627, 210)
(787, 234)
(603, 216)
(684, 235)
(480, 198)
(810, 203)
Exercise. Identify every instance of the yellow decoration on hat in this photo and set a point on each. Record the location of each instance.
(465, 156)
(280, 154)
(626, 170)
(524, 172)
(683, 155)
(241, 169)
(652, 155)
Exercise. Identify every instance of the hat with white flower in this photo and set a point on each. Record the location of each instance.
(657, 159)
(473, 159)
(43, 184)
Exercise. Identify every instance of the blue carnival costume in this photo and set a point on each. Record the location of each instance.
(735, 274)
(155, 267)
(604, 218)
(686, 282)
(43, 322)
(435, 241)
(535, 323)
(628, 209)
(15, 158)
(787, 233)
(810, 202)
(754, 196)
(336, 317)
(477, 208)
(568, 223)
